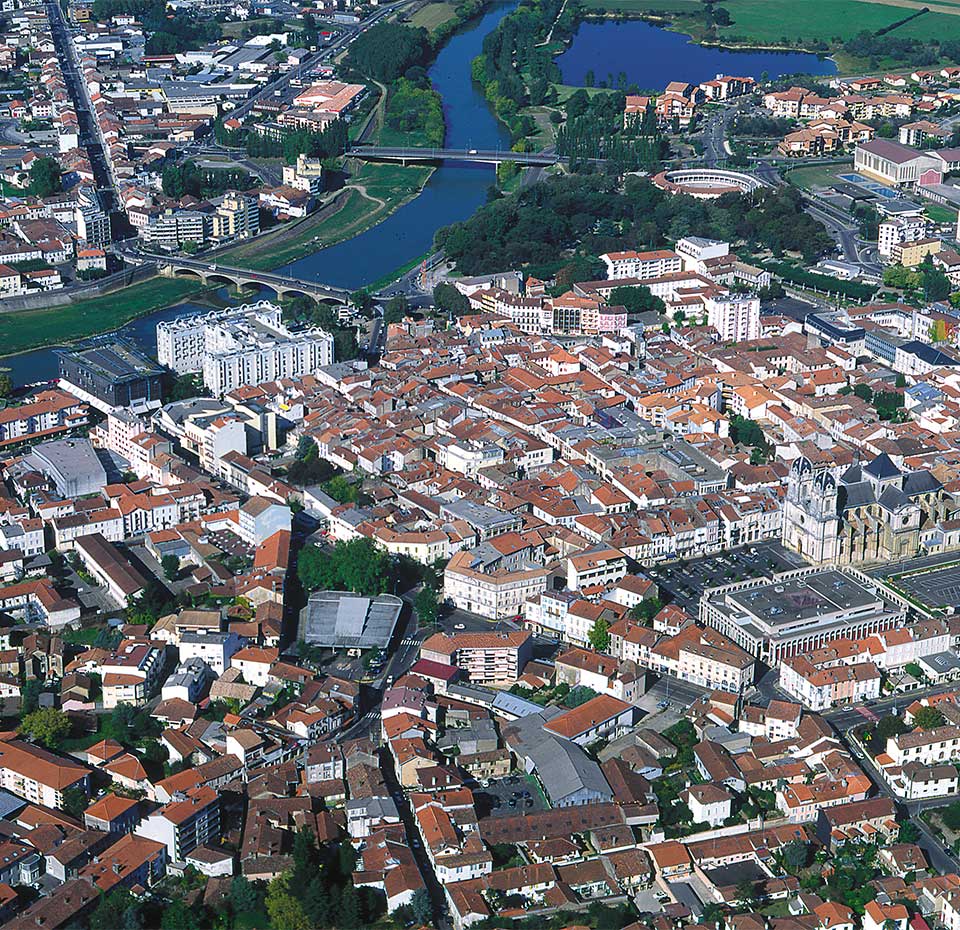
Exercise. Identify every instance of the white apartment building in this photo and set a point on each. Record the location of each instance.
(237, 216)
(642, 265)
(595, 567)
(493, 592)
(305, 175)
(39, 776)
(190, 820)
(242, 345)
(214, 649)
(819, 687)
(735, 317)
(896, 230)
(695, 252)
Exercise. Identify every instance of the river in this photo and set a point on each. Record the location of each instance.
(650, 57)
(454, 191)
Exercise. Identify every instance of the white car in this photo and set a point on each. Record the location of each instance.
(459, 626)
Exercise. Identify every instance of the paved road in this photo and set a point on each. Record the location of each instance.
(939, 856)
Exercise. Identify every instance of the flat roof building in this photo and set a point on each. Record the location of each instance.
(343, 620)
(795, 612)
(111, 372)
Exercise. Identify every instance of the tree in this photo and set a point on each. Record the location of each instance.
(914, 670)
(745, 892)
(118, 910)
(422, 907)
(349, 915)
(646, 610)
(888, 726)
(425, 604)
(386, 51)
(362, 300)
(283, 909)
(6, 385)
(243, 895)
(636, 299)
(306, 858)
(45, 177)
(177, 916)
(599, 635)
(171, 567)
(395, 310)
(46, 725)
(795, 855)
(448, 299)
(75, 802)
(928, 718)
(358, 566)
(909, 832)
(864, 392)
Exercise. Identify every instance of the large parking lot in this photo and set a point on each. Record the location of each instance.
(682, 583)
(515, 794)
(937, 588)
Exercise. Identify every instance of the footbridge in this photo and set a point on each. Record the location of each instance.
(481, 156)
(284, 286)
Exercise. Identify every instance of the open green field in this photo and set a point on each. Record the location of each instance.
(646, 6)
(28, 329)
(772, 21)
(432, 16)
(798, 22)
(816, 176)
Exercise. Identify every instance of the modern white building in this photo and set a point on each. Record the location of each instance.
(736, 317)
(242, 345)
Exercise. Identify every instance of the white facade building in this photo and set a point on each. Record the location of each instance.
(242, 345)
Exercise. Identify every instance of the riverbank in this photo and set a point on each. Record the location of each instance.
(363, 241)
(30, 329)
(375, 192)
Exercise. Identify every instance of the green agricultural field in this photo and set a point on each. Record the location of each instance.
(433, 15)
(771, 21)
(28, 329)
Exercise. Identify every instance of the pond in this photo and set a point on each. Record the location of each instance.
(651, 57)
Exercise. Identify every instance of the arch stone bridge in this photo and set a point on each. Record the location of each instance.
(284, 286)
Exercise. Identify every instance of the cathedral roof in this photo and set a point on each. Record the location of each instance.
(882, 467)
(920, 482)
(893, 498)
(858, 494)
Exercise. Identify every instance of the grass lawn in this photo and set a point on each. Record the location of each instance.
(28, 329)
(644, 6)
(433, 15)
(81, 637)
(806, 20)
(816, 176)
(938, 213)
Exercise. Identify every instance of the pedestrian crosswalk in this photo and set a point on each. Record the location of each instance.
(410, 641)
(371, 715)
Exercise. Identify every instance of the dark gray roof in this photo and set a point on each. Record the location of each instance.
(882, 467)
(920, 482)
(853, 474)
(858, 495)
(893, 498)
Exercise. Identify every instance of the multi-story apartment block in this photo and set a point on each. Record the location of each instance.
(642, 265)
(243, 345)
(188, 821)
(39, 776)
(941, 744)
(734, 316)
(237, 216)
(487, 658)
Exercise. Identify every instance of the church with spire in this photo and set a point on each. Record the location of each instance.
(867, 512)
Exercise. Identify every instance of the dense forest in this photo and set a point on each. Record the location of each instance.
(387, 51)
(589, 214)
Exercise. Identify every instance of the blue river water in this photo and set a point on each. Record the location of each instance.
(651, 57)
(648, 55)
